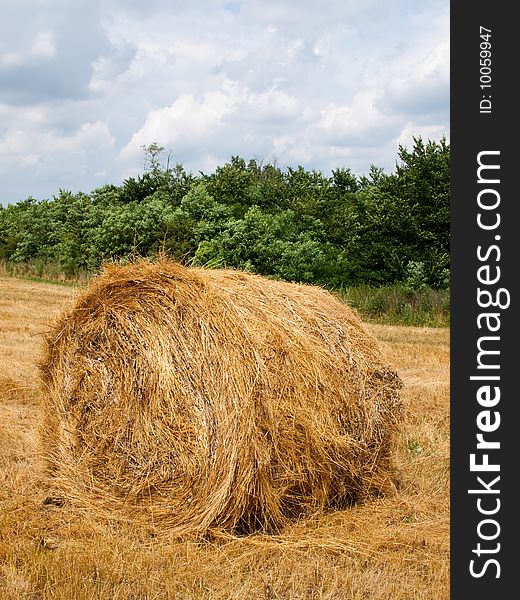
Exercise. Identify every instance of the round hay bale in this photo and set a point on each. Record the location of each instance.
(214, 399)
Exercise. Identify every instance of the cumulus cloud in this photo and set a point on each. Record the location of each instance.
(50, 160)
(187, 122)
(43, 47)
(84, 85)
(423, 88)
(359, 123)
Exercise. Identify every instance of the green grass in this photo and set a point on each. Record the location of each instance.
(394, 305)
(41, 272)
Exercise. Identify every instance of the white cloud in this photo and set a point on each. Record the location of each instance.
(42, 47)
(50, 160)
(358, 124)
(414, 129)
(423, 86)
(187, 122)
(84, 85)
(229, 118)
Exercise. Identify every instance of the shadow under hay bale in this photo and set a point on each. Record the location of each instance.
(214, 400)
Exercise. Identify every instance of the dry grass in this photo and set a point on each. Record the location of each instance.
(211, 400)
(392, 547)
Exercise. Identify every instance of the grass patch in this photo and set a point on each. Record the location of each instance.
(42, 272)
(394, 305)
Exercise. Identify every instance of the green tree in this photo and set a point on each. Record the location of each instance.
(405, 217)
(296, 224)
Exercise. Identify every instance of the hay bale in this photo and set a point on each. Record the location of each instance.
(214, 399)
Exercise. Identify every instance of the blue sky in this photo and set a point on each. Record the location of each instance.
(85, 84)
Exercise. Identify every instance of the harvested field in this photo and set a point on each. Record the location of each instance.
(393, 546)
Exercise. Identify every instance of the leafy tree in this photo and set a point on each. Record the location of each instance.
(296, 224)
(405, 217)
(135, 190)
(30, 231)
(230, 184)
(132, 228)
(75, 217)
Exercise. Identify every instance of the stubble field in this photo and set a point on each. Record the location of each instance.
(395, 547)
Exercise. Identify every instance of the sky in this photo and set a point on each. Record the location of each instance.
(85, 84)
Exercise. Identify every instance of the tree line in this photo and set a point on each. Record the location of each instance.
(294, 224)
